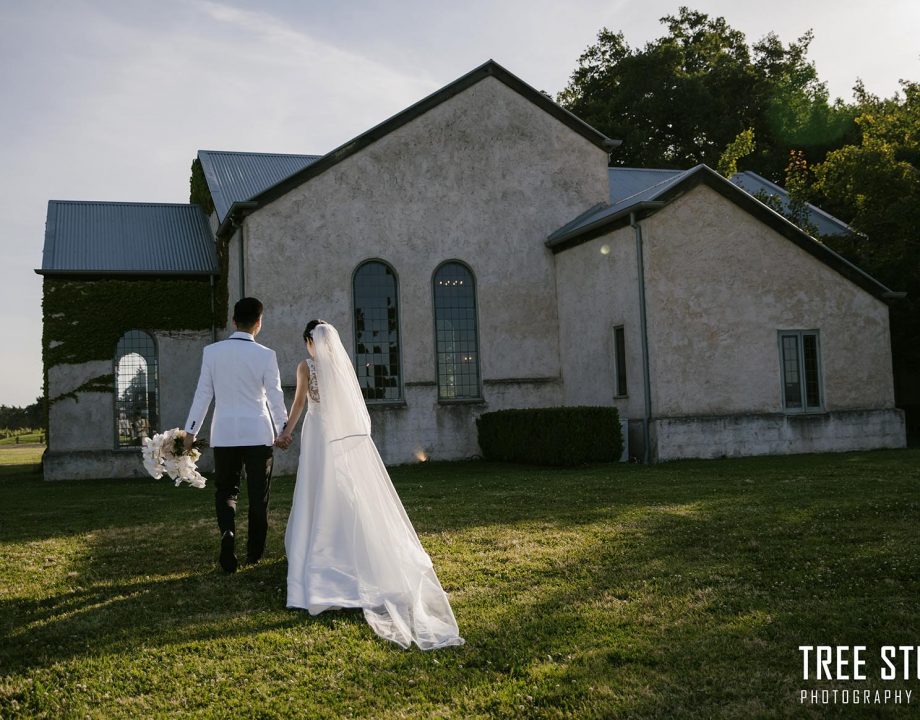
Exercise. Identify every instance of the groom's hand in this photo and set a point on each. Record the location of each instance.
(188, 441)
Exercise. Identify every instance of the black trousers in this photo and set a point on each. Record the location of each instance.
(229, 463)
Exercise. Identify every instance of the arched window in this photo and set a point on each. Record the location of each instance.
(137, 388)
(456, 334)
(377, 358)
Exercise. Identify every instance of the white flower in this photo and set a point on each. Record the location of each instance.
(160, 458)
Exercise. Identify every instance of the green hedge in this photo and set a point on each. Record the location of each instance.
(551, 436)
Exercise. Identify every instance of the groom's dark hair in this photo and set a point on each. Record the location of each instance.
(247, 312)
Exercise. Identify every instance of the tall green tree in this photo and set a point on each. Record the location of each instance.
(874, 184)
(685, 97)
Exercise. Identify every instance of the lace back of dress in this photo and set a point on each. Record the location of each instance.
(313, 387)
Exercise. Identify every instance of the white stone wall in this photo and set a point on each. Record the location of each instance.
(598, 290)
(75, 423)
(483, 178)
(82, 429)
(720, 284)
(777, 434)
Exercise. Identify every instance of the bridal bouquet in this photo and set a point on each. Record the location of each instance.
(165, 454)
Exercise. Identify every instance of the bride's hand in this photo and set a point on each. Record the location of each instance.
(284, 440)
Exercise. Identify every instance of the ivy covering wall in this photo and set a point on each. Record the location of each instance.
(84, 319)
(199, 192)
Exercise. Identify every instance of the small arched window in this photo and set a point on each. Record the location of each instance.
(377, 356)
(137, 389)
(456, 332)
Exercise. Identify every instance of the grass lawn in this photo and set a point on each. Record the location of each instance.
(675, 591)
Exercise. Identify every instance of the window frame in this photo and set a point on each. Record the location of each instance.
(434, 318)
(401, 399)
(116, 359)
(804, 408)
(616, 365)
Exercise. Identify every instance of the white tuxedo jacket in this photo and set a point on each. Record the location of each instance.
(242, 378)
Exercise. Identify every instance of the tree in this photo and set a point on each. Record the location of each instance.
(874, 185)
(740, 147)
(684, 98)
(17, 418)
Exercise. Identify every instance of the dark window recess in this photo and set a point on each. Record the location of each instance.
(377, 352)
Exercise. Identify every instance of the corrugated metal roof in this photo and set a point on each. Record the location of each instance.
(642, 183)
(670, 185)
(826, 223)
(127, 238)
(238, 176)
(626, 182)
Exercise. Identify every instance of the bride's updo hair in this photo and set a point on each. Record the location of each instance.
(308, 331)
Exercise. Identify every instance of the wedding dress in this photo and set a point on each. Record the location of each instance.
(349, 541)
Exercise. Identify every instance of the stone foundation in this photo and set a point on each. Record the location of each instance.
(776, 434)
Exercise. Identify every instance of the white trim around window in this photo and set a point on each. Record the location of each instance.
(801, 376)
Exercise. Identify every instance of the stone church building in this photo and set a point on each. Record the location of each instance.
(476, 253)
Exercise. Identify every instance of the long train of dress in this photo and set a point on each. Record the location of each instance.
(356, 547)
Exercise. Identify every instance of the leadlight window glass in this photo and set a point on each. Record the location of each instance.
(800, 361)
(456, 332)
(377, 356)
(136, 389)
(619, 348)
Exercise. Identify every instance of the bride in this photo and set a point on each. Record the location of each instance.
(349, 542)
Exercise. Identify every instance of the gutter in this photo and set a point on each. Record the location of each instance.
(242, 262)
(235, 215)
(563, 237)
(213, 311)
(232, 222)
(643, 326)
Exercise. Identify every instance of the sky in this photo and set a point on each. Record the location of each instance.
(112, 99)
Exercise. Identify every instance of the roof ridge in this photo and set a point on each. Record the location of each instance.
(488, 69)
(263, 154)
(624, 167)
(677, 174)
(811, 206)
(124, 202)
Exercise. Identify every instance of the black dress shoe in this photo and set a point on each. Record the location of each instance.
(228, 559)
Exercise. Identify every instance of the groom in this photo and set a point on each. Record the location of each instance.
(242, 378)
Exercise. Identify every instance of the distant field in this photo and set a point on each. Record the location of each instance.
(28, 438)
(13, 457)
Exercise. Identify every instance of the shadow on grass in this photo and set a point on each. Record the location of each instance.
(686, 590)
(101, 616)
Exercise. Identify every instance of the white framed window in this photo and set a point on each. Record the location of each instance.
(800, 366)
(137, 389)
(619, 360)
(456, 332)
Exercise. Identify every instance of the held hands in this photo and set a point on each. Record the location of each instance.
(284, 440)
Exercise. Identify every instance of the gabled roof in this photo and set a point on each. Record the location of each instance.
(118, 238)
(825, 223)
(488, 69)
(671, 185)
(629, 182)
(626, 182)
(237, 176)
